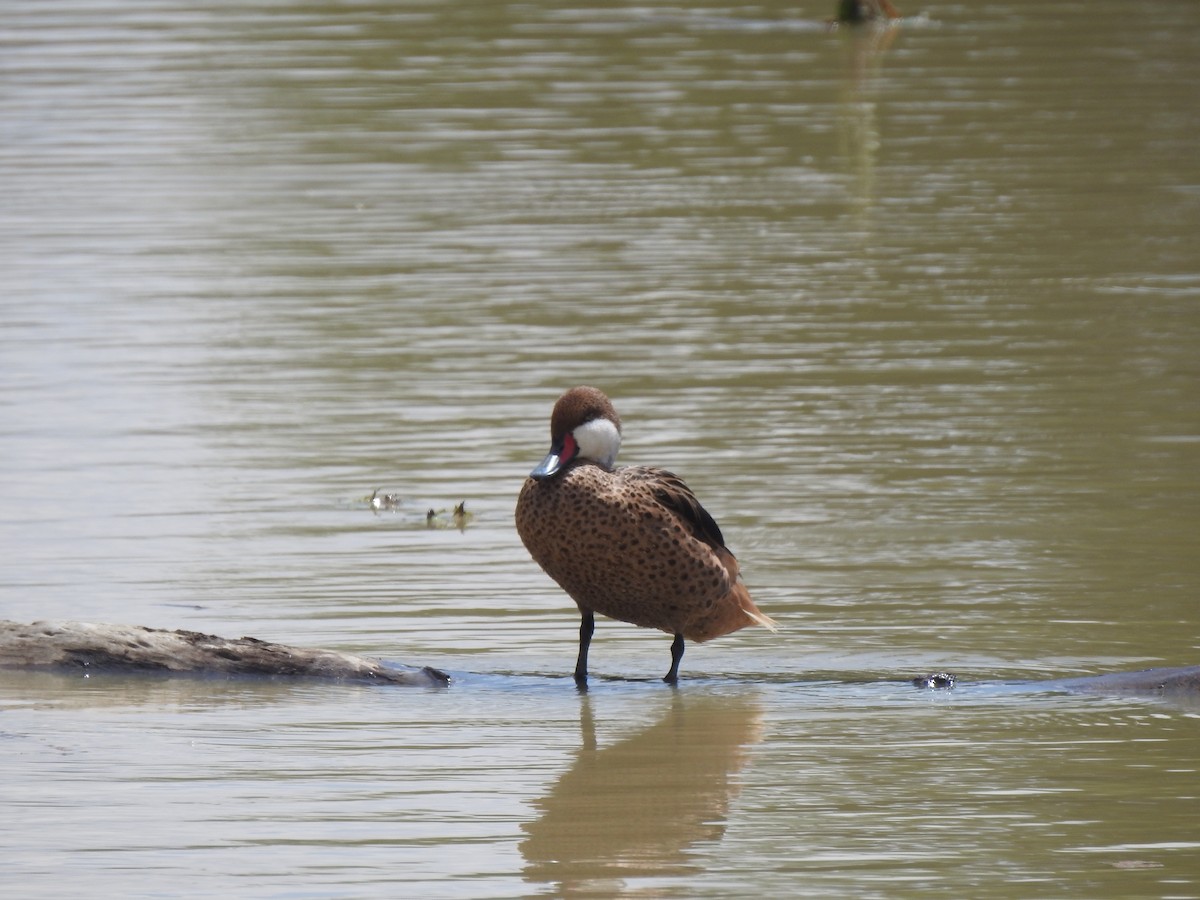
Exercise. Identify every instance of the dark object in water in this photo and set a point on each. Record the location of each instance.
(457, 518)
(135, 648)
(851, 11)
(936, 681)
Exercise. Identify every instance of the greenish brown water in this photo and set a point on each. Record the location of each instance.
(914, 312)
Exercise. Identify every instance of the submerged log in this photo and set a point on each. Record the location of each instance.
(1180, 684)
(135, 648)
(1183, 681)
(86, 647)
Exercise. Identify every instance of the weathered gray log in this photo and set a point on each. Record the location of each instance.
(134, 648)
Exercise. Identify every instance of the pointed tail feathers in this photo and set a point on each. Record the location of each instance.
(760, 618)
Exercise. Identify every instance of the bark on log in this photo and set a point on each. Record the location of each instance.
(134, 648)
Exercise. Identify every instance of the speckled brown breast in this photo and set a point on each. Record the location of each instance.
(617, 550)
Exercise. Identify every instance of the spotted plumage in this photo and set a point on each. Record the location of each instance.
(630, 543)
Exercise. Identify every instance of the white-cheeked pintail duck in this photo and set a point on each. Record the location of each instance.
(631, 543)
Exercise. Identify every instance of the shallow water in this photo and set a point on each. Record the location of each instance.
(914, 312)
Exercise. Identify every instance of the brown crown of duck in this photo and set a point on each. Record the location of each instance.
(631, 543)
(579, 406)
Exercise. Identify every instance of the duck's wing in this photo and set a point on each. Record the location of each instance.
(670, 491)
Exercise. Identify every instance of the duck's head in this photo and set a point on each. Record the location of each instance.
(584, 425)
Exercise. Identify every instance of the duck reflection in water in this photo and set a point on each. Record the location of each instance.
(635, 808)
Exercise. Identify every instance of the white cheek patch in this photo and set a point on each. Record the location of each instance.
(598, 440)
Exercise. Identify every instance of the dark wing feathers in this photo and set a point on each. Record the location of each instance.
(669, 490)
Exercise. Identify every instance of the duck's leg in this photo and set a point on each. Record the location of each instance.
(586, 627)
(676, 656)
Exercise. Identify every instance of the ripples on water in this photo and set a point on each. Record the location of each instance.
(915, 313)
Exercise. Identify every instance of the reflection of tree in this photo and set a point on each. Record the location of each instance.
(634, 808)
